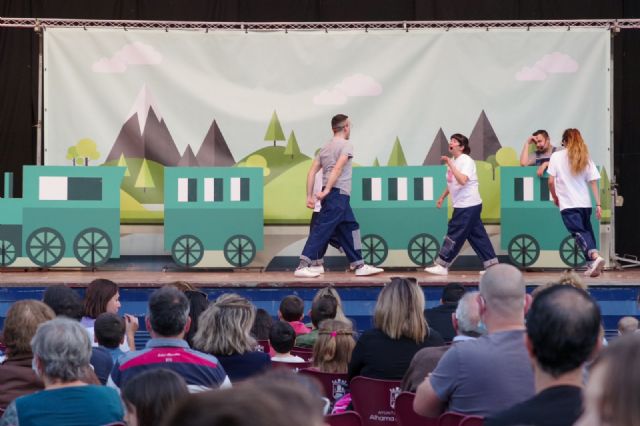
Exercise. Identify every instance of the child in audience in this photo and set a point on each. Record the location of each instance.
(109, 331)
(282, 338)
(332, 350)
(292, 311)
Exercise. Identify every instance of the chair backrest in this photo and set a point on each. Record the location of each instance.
(334, 385)
(405, 416)
(450, 419)
(304, 353)
(375, 400)
(295, 366)
(263, 346)
(472, 421)
(348, 418)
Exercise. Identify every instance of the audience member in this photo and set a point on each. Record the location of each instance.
(493, 372)
(225, 332)
(563, 328)
(103, 296)
(566, 278)
(332, 350)
(168, 321)
(261, 325)
(401, 330)
(61, 351)
(109, 331)
(282, 338)
(331, 291)
(466, 323)
(611, 395)
(439, 317)
(292, 311)
(198, 302)
(151, 395)
(323, 308)
(64, 301)
(627, 325)
(17, 377)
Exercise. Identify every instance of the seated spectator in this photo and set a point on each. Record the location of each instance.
(61, 351)
(17, 377)
(333, 348)
(224, 332)
(282, 338)
(168, 321)
(109, 331)
(198, 302)
(151, 395)
(323, 308)
(331, 291)
(563, 327)
(261, 325)
(103, 296)
(439, 317)
(401, 330)
(292, 311)
(627, 325)
(64, 301)
(611, 395)
(493, 372)
(569, 278)
(466, 323)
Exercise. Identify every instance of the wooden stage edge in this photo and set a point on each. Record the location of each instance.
(257, 279)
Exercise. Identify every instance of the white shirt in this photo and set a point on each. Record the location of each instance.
(572, 190)
(466, 195)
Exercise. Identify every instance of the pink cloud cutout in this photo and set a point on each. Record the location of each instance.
(552, 63)
(136, 53)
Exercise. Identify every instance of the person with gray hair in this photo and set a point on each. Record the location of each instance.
(61, 351)
(493, 372)
(167, 321)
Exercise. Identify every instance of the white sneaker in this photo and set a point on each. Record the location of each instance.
(596, 268)
(437, 270)
(367, 270)
(305, 272)
(319, 269)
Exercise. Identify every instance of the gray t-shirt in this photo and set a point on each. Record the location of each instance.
(486, 375)
(328, 157)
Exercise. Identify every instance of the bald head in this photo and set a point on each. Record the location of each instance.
(627, 325)
(503, 288)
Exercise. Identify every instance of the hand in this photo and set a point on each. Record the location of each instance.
(598, 212)
(311, 202)
(321, 195)
(445, 159)
(439, 202)
(531, 140)
(131, 324)
(542, 168)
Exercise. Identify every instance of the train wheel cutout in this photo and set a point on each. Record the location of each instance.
(92, 247)
(45, 247)
(523, 250)
(239, 250)
(187, 251)
(570, 253)
(423, 249)
(374, 249)
(8, 253)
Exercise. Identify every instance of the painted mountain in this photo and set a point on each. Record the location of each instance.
(439, 147)
(483, 140)
(214, 150)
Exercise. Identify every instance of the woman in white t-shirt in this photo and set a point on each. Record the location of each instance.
(465, 224)
(571, 173)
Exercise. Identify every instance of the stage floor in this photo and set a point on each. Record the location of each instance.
(252, 279)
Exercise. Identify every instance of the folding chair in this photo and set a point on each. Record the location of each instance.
(263, 346)
(405, 416)
(335, 385)
(450, 419)
(375, 400)
(348, 418)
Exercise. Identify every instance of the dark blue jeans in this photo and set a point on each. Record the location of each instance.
(578, 223)
(333, 241)
(335, 221)
(465, 224)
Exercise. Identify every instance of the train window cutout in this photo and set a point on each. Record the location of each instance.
(532, 231)
(396, 209)
(213, 216)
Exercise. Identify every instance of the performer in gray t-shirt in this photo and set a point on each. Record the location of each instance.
(335, 219)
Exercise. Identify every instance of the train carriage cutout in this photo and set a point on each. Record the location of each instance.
(400, 224)
(532, 231)
(213, 216)
(68, 216)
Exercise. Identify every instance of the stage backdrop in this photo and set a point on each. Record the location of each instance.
(145, 99)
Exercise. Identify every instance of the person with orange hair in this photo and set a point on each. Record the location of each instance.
(571, 173)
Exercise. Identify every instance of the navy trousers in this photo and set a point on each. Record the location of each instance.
(335, 221)
(465, 224)
(578, 223)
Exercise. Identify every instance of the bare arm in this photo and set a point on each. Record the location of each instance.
(311, 178)
(524, 154)
(460, 178)
(442, 198)
(596, 196)
(333, 177)
(552, 190)
(426, 402)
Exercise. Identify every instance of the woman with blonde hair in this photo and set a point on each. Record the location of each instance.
(331, 291)
(571, 174)
(224, 331)
(400, 330)
(333, 348)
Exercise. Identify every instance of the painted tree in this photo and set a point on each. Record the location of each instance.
(122, 162)
(257, 160)
(72, 154)
(397, 155)
(292, 148)
(376, 163)
(507, 156)
(87, 150)
(605, 195)
(274, 131)
(145, 179)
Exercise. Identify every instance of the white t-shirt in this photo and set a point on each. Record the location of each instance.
(572, 190)
(466, 195)
(287, 358)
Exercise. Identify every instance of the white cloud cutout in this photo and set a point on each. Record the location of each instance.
(552, 63)
(136, 53)
(351, 86)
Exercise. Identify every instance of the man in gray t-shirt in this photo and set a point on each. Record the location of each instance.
(493, 372)
(335, 220)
